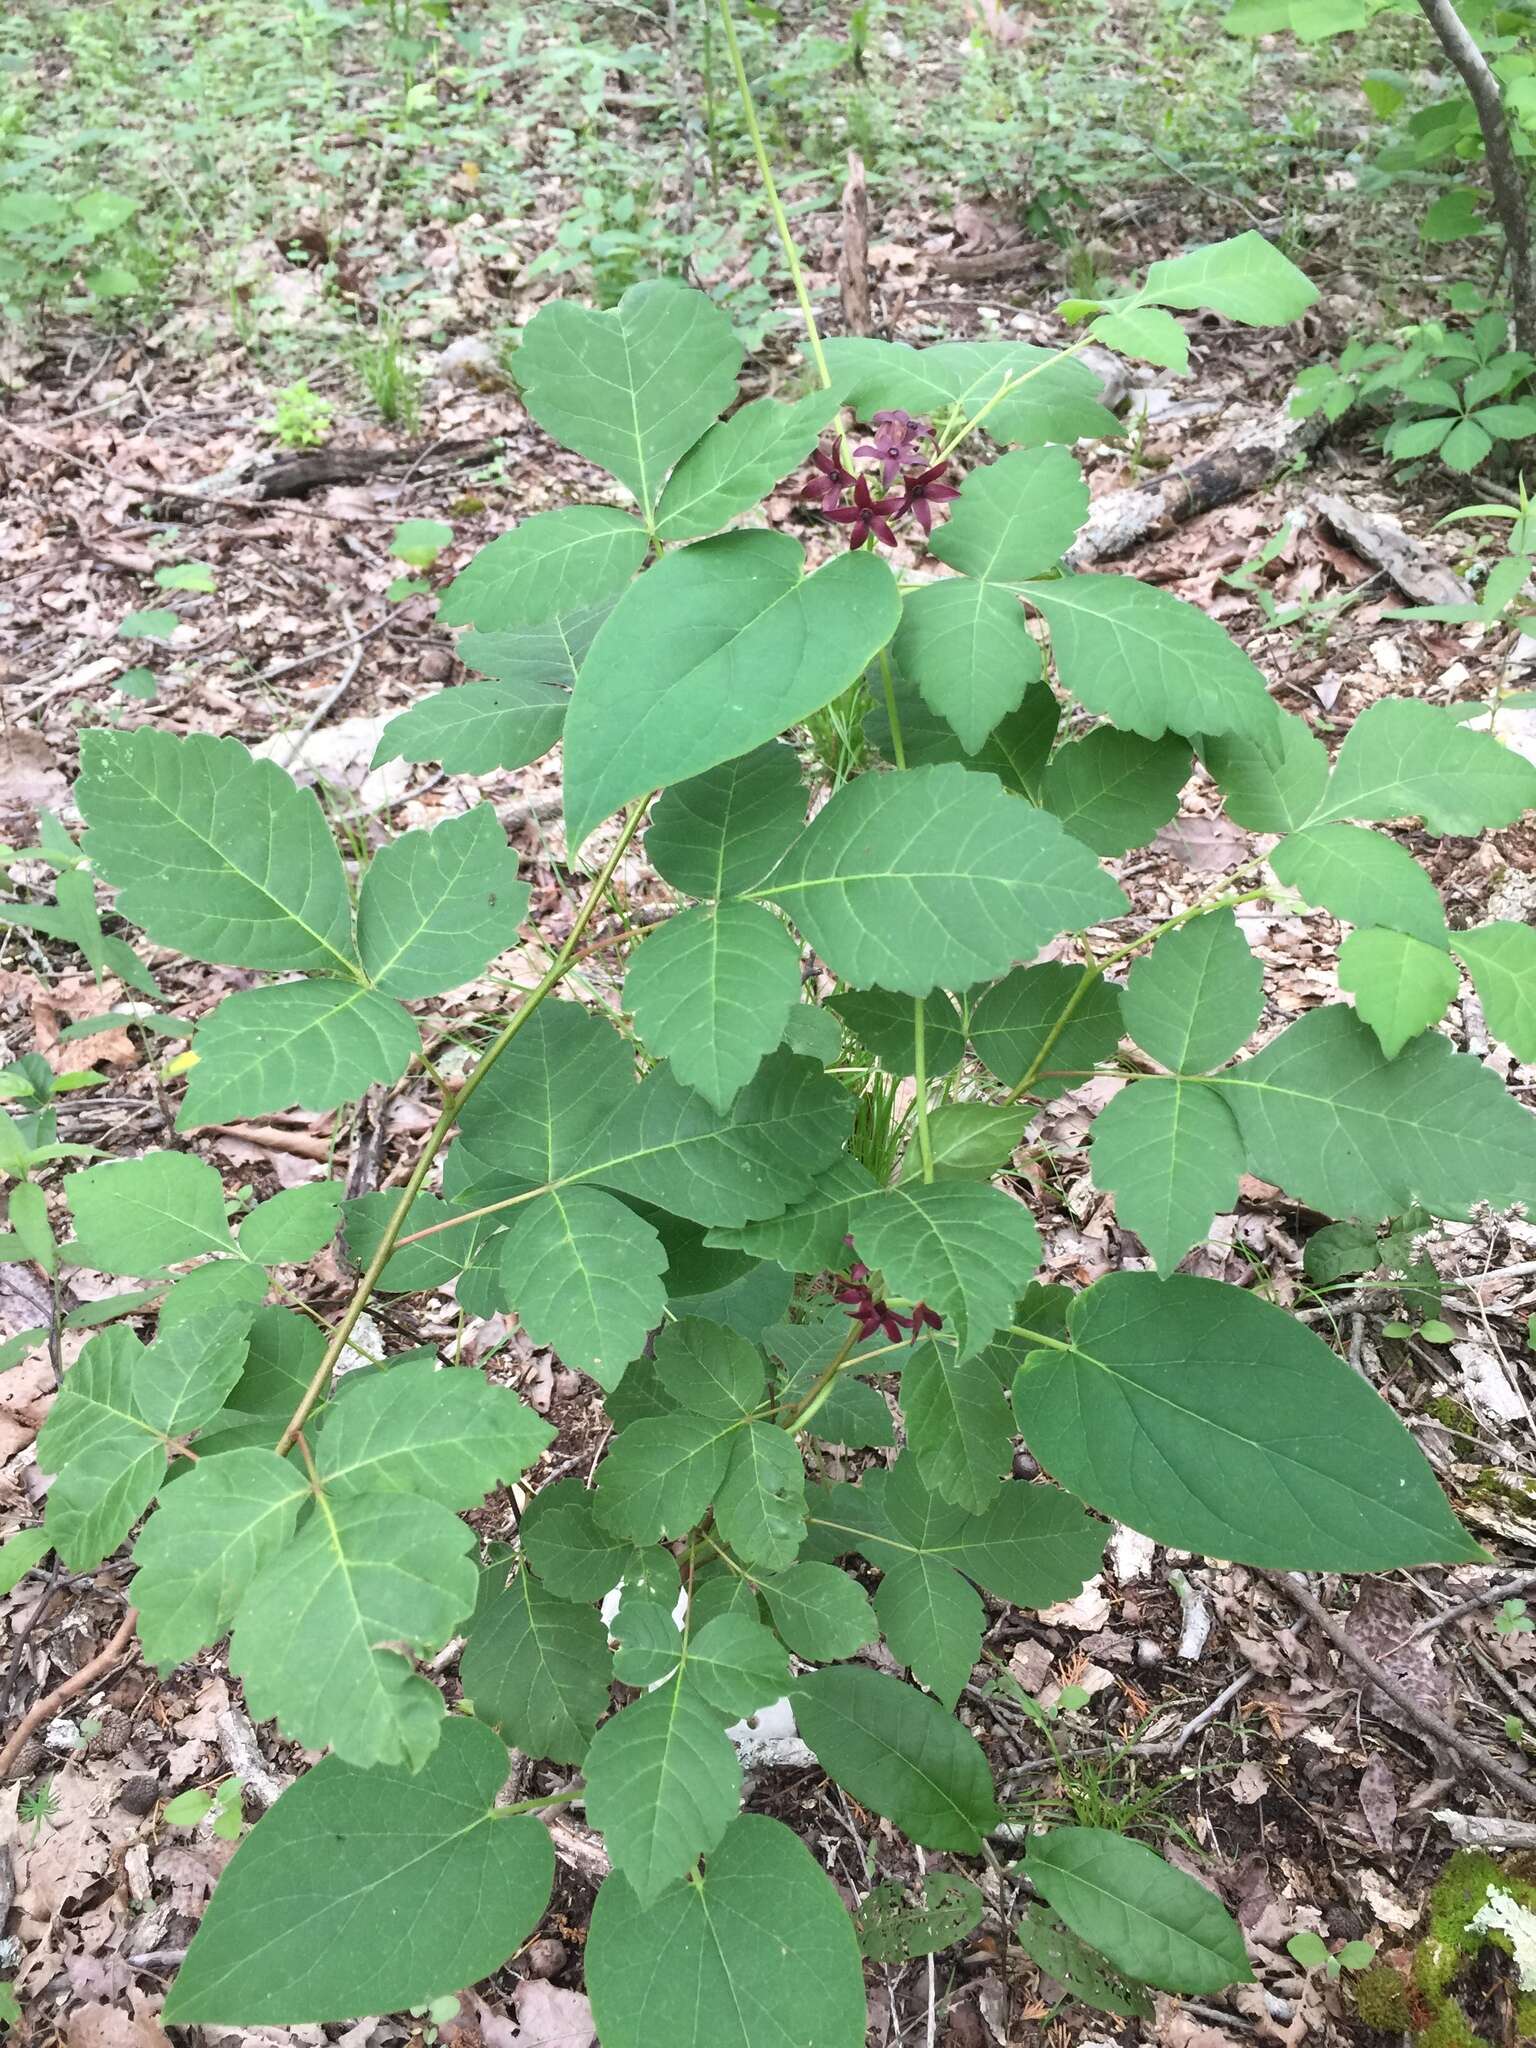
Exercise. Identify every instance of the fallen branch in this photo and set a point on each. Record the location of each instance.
(1515, 1783)
(1486, 1830)
(1417, 570)
(1257, 453)
(42, 1711)
(853, 251)
(1491, 1596)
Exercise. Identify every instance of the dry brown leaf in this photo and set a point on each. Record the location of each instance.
(548, 2017)
(30, 777)
(109, 2026)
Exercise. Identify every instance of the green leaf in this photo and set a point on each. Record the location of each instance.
(1145, 333)
(968, 648)
(137, 1215)
(884, 1024)
(663, 1785)
(436, 906)
(1153, 1922)
(935, 878)
(1501, 959)
(763, 1936)
(739, 461)
(1273, 784)
(1197, 996)
(809, 1235)
(892, 1932)
(550, 1090)
(965, 1250)
(583, 1272)
(1325, 1115)
(1172, 1156)
(186, 576)
(553, 564)
(159, 624)
(538, 1670)
(1362, 877)
(660, 1474)
(713, 652)
(899, 1753)
(284, 1351)
(853, 1412)
(1080, 1970)
(1406, 759)
(760, 1505)
(1150, 662)
(1059, 402)
(1015, 751)
(419, 542)
(20, 1552)
(650, 1643)
(1244, 278)
(426, 1885)
(813, 1030)
(720, 833)
(969, 1141)
(1465, 446)
(108, 1428)
(1400, 985)
(710, 1371)
(214, 853)
(219, 1525)
(1170, 1381)
(819, 1611)
(573, 1555)
(311, 1043)
(711, 991)
(1016, 517)
(1012, 1022)
(477, 728)
(633, 389)
(1113, 790)
(292, 1226)
(959, 1425)
(664, 1144)
(442, 1436)
(932, 1620)
(310, 1635)
(736, 1664)
(548, 655)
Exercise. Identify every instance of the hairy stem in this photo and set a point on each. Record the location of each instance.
(437, 1137)
(776, 205)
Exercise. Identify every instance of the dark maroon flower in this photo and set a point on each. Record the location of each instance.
(872, 1316)
(923, 1318)
(830, 482)
(867, 515)
(898, 439)
(923, 489)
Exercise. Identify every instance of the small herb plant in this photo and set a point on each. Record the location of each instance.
(678, 1200)
(301, 418)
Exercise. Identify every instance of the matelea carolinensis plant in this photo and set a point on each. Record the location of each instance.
(760, 1218)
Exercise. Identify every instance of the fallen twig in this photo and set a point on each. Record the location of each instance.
(1491, 1596)
(42, 1711)
(1515, 1783)
(1486, 1830)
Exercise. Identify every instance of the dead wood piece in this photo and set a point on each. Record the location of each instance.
(1486, 1830)
(1515, 1783)
(853, 251)
(297, 475)
(1005, 262)
(1122, 520)
(237, 1745)
(1416, 570)
(43, 1711)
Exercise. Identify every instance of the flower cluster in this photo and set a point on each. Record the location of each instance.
(847, 497)
(876, 1317)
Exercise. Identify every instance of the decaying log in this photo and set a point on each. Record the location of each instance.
(853, 251)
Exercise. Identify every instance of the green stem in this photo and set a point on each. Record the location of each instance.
(776, 205)
(538, 1805)
(1006, 390)
(920, 1080)
(888, 684)
(448, 1116)
(797, 1417)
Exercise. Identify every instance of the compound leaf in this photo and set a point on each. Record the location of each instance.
(215, 1530)
(476, 728)
(137, 1215)
(1016, 517)
(721, 832)
(819, 1611)
(634, 388)
(553, 564)
(1113, 789)
(663, 1784)
(1501, 959)
(1362, 877)
(711, 990)
(436, 906)
(1405, 759)
(739, 461)
(443, 1436)
(1153, 1922)
(584, 1274)
(936, 878)
(367, 1891)
(311, 1043)
(713, 652)
(1196, 997)
(1172, 1156)
(1150, 662)
(959, 1425)
(762, 1935)
(899, 1753)
(968, 648)
(538, 1669)
(213, 852)
(311, 1636)
(660, 1474)
(965, 1250)
(1013, 1022)
(760, 1505)
(1400, 984)
(1171, 1380)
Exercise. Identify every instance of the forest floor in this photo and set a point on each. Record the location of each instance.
(383, 225)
